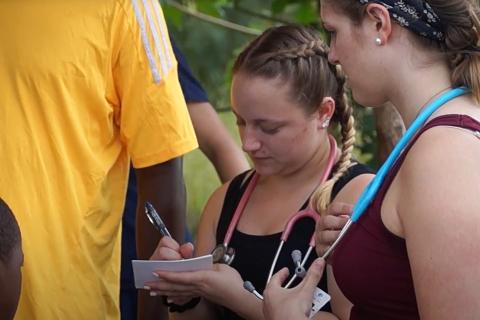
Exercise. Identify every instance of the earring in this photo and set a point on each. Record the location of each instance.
(378, 41)
(325, 123)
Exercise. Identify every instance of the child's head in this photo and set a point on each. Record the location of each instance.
(284, 94)
(11, 260)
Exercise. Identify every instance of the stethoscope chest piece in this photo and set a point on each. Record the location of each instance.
(223, 254)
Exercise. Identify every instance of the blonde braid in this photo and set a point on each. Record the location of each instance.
(321, 198)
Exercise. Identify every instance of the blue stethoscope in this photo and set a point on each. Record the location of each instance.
(372, 188)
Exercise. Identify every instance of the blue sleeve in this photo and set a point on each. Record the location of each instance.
(192, 90)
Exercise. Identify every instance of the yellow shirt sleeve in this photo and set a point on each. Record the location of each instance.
(150, 108)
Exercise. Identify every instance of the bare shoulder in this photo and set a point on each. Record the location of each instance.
(215, 202)
(441, 168)
(209, 220)
(353, 189)
(443, 157)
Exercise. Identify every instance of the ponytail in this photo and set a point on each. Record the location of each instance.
(465, 60)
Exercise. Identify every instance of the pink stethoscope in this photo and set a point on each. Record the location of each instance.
(225, 254)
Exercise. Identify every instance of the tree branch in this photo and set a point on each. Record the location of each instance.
(213, 20)
(260, 15)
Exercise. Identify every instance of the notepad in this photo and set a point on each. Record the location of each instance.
(143, 269)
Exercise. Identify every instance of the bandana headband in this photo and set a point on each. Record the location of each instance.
(415, 15)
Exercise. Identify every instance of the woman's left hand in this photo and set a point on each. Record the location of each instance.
(295, 303)
(215, 285)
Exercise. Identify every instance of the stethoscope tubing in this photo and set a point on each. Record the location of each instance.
(308, 212)
(339, 238)
(239, 209)
(275, 259)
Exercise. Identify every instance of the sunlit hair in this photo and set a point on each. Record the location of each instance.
(461, 27)
(297, 56)
(9, 232)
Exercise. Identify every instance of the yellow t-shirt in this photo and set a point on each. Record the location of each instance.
(84, 86)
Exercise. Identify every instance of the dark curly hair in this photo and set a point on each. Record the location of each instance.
(9, 232)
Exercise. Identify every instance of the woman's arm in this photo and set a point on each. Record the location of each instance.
(439, 212)
(216, 142)
(222, 285)
(169, 249)
(205, 243)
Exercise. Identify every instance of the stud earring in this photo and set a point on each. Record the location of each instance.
(325, 123)
(378, 41)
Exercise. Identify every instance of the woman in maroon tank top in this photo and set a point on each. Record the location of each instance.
(415, 253)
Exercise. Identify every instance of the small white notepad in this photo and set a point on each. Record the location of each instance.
(143, 269)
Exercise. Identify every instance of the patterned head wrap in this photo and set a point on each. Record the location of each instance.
(416, 15)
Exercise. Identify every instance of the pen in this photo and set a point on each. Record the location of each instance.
(155, 219)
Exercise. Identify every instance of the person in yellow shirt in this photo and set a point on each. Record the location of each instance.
(87, 86)
(216, 144)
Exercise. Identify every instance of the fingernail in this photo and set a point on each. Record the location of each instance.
(155, 275)
(146, 287)
(153, 294)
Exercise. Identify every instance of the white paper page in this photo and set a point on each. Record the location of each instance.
(143, 269)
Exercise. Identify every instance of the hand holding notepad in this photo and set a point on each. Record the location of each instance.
(143, 269)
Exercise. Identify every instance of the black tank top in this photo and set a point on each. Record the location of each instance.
(254, 254)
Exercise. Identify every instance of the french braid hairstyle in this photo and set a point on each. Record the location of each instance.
(298, 56)
(458, 24)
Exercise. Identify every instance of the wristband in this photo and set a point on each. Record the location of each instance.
(172, 307)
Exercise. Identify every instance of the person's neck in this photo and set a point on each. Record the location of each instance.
(414, 90)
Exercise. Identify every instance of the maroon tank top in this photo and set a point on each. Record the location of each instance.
(371, 264)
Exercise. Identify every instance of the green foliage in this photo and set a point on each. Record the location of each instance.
(175, 17)
(302, 12)
(213, 8)
(211, 49)
(279, 6)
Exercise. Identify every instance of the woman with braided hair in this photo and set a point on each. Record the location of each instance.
(414, 253)
(285, 96)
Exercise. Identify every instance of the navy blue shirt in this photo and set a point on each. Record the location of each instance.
(191, 88)
(193, 92)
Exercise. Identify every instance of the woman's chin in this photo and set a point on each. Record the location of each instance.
(366, 99)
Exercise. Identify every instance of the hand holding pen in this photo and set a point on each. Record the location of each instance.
(168, 248)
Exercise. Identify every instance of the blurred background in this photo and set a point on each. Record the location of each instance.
(210, 34)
